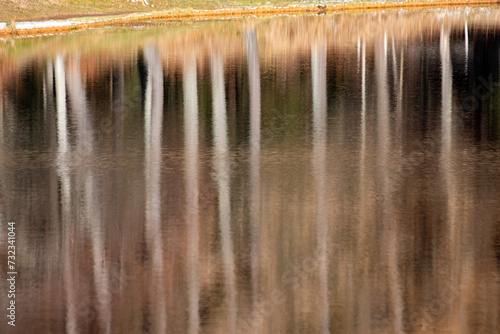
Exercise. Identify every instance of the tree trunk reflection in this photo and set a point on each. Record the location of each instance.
(190, 89)
(221, 166)
(153, 118)
(318, 66)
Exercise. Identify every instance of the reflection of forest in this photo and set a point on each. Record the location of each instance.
(311, 174)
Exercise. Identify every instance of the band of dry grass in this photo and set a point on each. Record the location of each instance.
(189, 14)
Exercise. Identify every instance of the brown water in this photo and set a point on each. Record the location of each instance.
(318, 174)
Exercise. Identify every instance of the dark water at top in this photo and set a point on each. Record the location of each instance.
(332, 174)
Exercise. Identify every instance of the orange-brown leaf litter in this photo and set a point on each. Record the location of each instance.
(125, 12)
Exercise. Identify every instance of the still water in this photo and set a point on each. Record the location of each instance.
(313, 174)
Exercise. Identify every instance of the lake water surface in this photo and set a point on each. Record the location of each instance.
(312, 174)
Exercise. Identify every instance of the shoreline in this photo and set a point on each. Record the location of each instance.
(80, 22)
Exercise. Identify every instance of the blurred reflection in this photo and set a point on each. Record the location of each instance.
(118, 92)
(318, 69)
(222, 175)
(388, 227)
(363, 308)
(91, 213)
(62, 130)
(448, 169)
(255, 120)
(153, 123)
(466, 44)
(63, 173)
(249, 176)
(192, 186)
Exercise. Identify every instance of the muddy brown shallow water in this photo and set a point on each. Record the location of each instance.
(333, 174)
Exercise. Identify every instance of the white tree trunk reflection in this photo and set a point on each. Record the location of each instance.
(92, 212)
(452, 250)
(446, 92)
(254, 87)
(363, 128)
(398, 91)
(446, 124)
(389, 227)
(383, 121)
(62, 130)
(63, 173)
(78, 104)
(363, 300)
(399, 103)
(152, 169)
(221, 165)
(318, 65)
(192, 189)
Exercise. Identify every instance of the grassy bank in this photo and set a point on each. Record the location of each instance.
(22, 10)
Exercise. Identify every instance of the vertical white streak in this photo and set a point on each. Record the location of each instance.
(399, 103)
(394, 66)
(364, 310)
(223, 181)
(383, 121)
(153, 135)
(446, 85)
(446, 151)
(192, 189)
(62, 135)
(84, 148)
(363, 109)
(63, 173)
(45, 84)
(389, 227)
(254, 87)
(318, 65)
